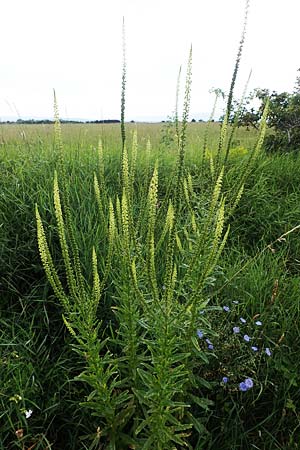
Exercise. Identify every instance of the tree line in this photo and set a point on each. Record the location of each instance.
(50, 122)
(283, 117)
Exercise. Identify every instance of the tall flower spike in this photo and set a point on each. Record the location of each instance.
(231, 90)
(62, 239)
(48, 262)
(111, 243)
(176, 107)
(182, 137)
(96, 280)
(101, 165)
(123, 134)
(152, 206)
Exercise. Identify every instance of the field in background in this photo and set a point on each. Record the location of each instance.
(88, 134)
(36, 361)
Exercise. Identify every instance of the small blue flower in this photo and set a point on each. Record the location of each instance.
(249, 383)
(243, 320)
(268, 351)
(199, 334)
(208, 341)
(235, 302)
(226, 308)
(236, 330)
(255, 349)
(258, 323)
(247, 338)
(210, 347)
(243, 386)
(225, 380)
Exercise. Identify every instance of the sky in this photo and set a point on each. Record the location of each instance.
(75, 47)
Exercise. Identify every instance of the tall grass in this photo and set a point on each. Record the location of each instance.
(143, 364)
(147, 390)
(267, 209)
(132, 341)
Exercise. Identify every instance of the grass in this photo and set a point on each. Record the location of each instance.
(37, 360)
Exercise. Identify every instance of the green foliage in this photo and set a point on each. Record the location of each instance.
(144, 365)
(168, 133)
(271, 191)
(283, 117)
(140, 258)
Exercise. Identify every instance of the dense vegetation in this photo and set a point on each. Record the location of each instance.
(149, 284)
(256, 279)
(283, 117)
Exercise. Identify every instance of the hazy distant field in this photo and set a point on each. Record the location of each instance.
(88, 134)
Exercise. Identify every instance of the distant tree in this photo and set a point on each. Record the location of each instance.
(245, 114)
(168, 132)
(297, 84)
(193, 120)
(283, 118)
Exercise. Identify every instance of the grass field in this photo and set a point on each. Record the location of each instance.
(168, 384)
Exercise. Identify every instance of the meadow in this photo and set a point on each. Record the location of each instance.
(134, 319)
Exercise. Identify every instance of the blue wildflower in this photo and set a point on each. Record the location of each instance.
(255, 349)
(243, 320)
(268, 351)
(258, 323)
(226, 308)
(199, 334)
(225, 380)
(210, 347)
(236, 330)
(243, 387)
(249, 383)
(208, 341)
(235, 302)
(247, 338)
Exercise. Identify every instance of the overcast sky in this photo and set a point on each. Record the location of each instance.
(75, 46)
